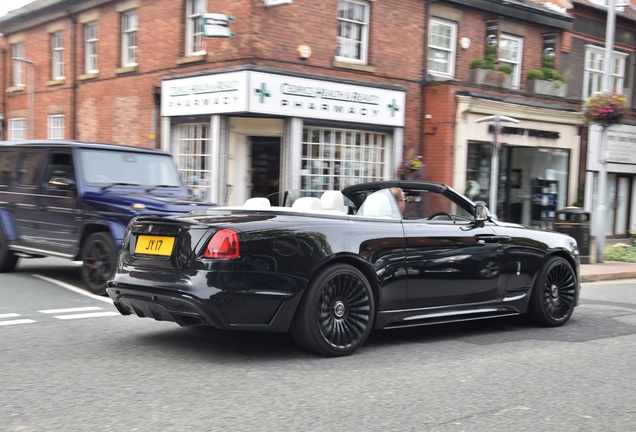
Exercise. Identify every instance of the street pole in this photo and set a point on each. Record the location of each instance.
(601, 207)
(494, 159)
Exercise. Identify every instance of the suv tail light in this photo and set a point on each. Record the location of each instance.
(223, 244)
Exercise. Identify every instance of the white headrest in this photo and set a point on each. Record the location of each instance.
(307, 204)
(332, 200)
(256, 203)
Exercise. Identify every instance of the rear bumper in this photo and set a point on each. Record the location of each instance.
(264, 309)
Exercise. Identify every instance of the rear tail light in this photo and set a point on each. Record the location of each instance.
(223, 244)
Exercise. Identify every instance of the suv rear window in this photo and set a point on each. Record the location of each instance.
(28, 172)
(8, 160)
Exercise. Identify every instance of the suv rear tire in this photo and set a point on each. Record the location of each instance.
(8, 259)
(99, 258)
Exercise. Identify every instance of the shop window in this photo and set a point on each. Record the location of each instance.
(353, 31)
(595, 70)
(442, 37)
(193, 157)
(335, 158)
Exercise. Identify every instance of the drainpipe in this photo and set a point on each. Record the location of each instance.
(3, 89)
(73, 20)
(427, 15)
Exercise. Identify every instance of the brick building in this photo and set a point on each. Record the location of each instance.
(305, 95)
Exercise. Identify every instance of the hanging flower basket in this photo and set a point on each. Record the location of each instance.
(605, 109)
(411, 168)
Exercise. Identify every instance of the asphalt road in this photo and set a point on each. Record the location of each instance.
(73, 365)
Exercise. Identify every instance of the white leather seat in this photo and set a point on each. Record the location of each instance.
(308, 204)
(332, 202)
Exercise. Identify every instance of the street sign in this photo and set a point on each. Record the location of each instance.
(217, 25)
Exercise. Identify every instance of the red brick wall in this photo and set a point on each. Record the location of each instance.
(119, 108)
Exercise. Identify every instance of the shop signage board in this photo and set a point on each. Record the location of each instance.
(282, 95)
(327, 100)
(206, 94)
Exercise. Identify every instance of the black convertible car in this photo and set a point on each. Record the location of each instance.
(331, 269)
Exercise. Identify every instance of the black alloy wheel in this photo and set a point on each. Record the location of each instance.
(336, 314)
(8, 259)
(554, 294)
(99, 257)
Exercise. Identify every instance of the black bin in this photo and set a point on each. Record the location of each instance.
(575, 222)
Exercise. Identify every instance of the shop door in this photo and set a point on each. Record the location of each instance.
(621, 206)
(265, 166)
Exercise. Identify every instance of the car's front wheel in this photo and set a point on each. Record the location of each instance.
(99, 258)
(554, 294)
(8, 259)
(336, 314)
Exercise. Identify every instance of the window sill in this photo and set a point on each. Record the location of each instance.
(126, 70)
(55, 82)
(88, 76)
(17, 89)
(353, 66)
(192, 59)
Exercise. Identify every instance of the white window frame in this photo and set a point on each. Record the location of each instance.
(193, 156)
(129, 28)
(447, 51)
(55, 126)
(17, 52)
(17, 129)
(513, 61)
(90, 48)
(334, 158)
(194, 36)
(594, 71)
(57, 56)
(353, 32)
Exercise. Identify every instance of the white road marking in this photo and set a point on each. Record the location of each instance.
(13, 322)
(78, 309)
(74, 289)
(9, 315)
(86, 315)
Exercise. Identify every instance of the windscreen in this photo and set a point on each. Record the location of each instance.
(105, 167)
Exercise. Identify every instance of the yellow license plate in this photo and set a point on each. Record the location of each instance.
(154, 245)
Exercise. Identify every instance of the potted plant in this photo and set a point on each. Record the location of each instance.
(605, 109)
(486, 72)
(412, 168)
(546, 81)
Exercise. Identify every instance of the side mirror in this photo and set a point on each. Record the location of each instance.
(481, 213)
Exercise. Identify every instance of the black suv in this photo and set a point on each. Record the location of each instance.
(73, 200)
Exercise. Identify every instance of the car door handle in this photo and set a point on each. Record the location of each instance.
(491, 238)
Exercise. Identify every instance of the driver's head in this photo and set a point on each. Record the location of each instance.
(398, 193)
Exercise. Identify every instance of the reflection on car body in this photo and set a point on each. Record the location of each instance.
(331, 276)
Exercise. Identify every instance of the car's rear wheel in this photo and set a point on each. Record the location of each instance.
(554, 294)
(99, 258)
(8, 260)
(336, 314)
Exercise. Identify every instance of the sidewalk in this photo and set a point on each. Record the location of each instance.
(608, 270)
